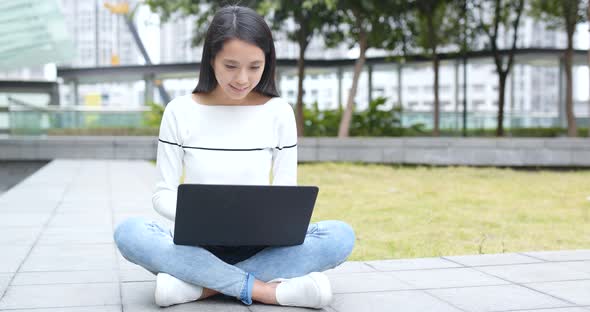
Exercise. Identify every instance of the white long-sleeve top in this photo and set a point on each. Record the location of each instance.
(223, 144)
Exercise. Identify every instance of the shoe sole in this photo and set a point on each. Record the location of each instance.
(158, 294)
(324, 287)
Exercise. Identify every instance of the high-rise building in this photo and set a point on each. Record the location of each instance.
(175, 41)
(101, 39)
(99, 35)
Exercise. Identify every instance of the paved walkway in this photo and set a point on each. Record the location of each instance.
(57, 254)
(12, 172)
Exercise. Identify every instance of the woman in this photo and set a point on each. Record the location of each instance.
(230, 130)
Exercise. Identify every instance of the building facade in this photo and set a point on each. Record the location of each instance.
(532, 89)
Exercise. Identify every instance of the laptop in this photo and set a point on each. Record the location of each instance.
(243, 215)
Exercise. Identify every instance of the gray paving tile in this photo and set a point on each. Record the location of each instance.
(124, 264)
(12, 257)
(260, 307)
(81, 193)
(350, 267)
(10, 219)
(497, 298)
(13, 172)
(136, 275)
(565, 255)
(27, 205)
(71, 258)
(577, 292)
(46, 192)
(581, 266)
(443, 278)
(83, 206)
(60, 295)
(82, 219)
(108, 308)
(18, 236)
(76, 251)
(65, 277)
(492, 259)
(412, 264)
(150, 215)
(365, 282)
(142, 204)
(555, 310)
(76, 235)
(538, 272)
(4, 280)
(399, 301)
(140, 297)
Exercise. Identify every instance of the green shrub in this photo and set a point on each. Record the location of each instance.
(113, 131)
(374, 121)
(153, 117)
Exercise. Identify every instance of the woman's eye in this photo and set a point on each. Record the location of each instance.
(255, 68)
(230, 67)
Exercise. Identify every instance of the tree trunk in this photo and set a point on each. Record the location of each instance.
(588, 17)
(501, 92)
(569, 105)
(358, 67)
(436, 130)
(300, 76)
(433, 42)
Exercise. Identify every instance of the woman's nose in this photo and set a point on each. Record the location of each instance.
(242, 77)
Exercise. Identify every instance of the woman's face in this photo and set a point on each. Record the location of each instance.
(238, 67)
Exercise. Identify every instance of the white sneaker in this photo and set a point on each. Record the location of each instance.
(312, 291)
(170, 290)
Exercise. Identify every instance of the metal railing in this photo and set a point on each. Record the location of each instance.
(27, 121)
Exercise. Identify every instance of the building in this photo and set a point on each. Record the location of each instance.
(531, 90)
(101, 39)
(99, 35)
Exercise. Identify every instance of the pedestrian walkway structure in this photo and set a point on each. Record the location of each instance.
(57, 254)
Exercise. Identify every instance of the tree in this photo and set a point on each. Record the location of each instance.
(564, 14)
(466, 41)
(506, 14)
(436, 25)
(358, 23)
(310, 17)
(203, 10)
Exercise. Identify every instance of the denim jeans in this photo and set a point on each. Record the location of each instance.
(231, 271)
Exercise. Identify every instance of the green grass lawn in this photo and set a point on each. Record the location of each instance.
(406, 212)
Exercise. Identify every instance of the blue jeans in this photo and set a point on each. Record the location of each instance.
(327, 244)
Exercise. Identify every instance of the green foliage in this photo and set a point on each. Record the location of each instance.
(374, 121)
(310, 16)
(377, 122)
(110, 131)
(437, 23)
(320, 122)
(353, 17)
(557, 14)
(203, 10)
(153, 117)
(536, 132)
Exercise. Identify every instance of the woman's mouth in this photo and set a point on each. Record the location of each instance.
(239, 90)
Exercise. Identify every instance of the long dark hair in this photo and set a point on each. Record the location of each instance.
(240, 23)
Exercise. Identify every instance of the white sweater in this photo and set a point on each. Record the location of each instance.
(223, 144)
